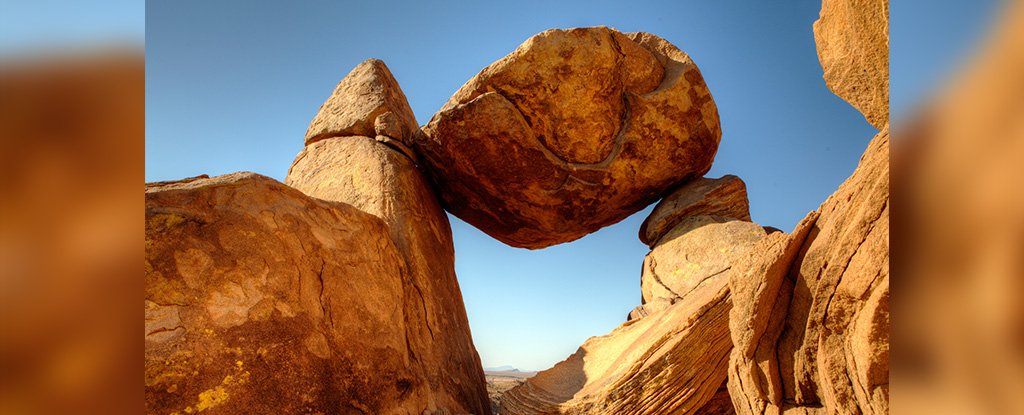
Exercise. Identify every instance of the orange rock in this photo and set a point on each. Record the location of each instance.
(573, 131)
(725, 196)
(852, 37)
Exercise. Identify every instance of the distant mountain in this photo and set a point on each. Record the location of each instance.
(506, 368)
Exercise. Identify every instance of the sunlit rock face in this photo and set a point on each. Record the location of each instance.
(573, 131)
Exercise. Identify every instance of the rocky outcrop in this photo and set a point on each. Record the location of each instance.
(260, 299)
(852, 37)
(574, 130)
(376, 179)
(810, 321)
(725, 197)
(671, 361)
(697, 251)
(367, 102)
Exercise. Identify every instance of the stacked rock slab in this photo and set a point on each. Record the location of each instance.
(378, 176)
(573, 131)
(852, 37)
(725, 197)
(811, 310)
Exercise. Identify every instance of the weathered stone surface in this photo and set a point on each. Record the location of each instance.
(260, 299)
(811, 315)
(725, 196)
(671, 361)
(367, 102)
(574, 130)
(381, 181)
(852, 37)
(698, 251)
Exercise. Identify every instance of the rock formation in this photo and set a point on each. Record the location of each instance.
(697, 250)
(852, 37)
(344, 299)
(367, 102)
(573, 131)
(725, 196)
(810, 321)
(671, 361)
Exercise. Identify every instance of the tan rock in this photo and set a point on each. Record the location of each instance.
(811, 314)
(574, 130)
(671, 361)
(260, 299)
(725, 196)
(852, 37)
(698, 251)
(368, 99)
(383, 182)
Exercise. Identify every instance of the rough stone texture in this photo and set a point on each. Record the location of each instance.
(367, 102)
(671, 361)
(852, 37)
(376, 179)
(260, 299)
(811, 315)
(698, 251)
(573, 131)
(725, 196)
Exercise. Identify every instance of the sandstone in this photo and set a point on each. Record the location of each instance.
(260, 299)
(671, 361)
(852, 37)
(725, 196)
(367, 102)
(573, 131)
(698, 251)
(810, 321)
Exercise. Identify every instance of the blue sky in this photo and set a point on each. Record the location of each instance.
(232, 86)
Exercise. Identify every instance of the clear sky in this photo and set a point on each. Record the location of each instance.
(232, 86)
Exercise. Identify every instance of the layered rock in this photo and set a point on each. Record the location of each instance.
(698, 251)
(725, 197)
(852, 37)
(367, 102)
(671, 361)
(574, 130)
(260, 299)
(811, 310)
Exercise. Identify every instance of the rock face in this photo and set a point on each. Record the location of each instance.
(725, 196)
(574, 130)
(671, 361)
(260, 299)
(367, 102)
(385, 183)
(697, 251)
(810, 321)
(852, 37)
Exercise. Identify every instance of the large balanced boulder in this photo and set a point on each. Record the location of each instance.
(573, 131)
(260, 299)
(725, 197)
(367, 102)
(672, 361)
(811, 310)
(852, 37)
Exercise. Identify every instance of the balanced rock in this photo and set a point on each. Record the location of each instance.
(852, 37)
(697, 251)
(811, 310)
(367, 102)
(260, 299)
(725, 196)
(573, 131)
(672, 361)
